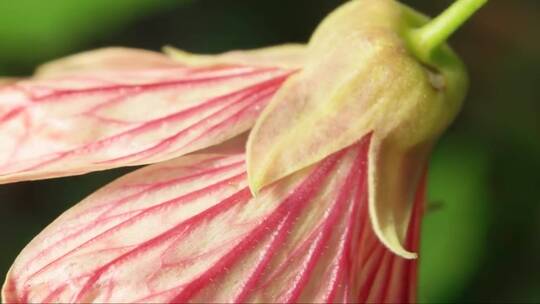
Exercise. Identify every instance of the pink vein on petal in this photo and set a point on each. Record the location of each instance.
(124, 139)
(306, 238)
(115, 204)
(296, 200)
(136, 216)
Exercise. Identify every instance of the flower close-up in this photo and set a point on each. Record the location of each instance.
(296, 172)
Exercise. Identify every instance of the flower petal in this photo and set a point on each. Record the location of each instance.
(290, 56)
(6, 80)
(117, 58)
(119, 107)
(189, 230)
(393, 178)
(359, 78)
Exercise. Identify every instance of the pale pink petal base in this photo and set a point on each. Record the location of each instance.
(190, 230)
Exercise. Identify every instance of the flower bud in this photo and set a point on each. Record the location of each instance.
(367, 72)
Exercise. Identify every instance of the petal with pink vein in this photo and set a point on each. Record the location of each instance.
(117, 58)
(190, 230)
(120, 107)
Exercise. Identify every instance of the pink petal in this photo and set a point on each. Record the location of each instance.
(5, 81)
(101, 110)
(117, 58)
(290, 56)
(189, 230)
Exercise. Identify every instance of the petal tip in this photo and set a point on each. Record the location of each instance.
(254, 184)
(391, 242)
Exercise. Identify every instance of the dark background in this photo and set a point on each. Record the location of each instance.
(481, 240)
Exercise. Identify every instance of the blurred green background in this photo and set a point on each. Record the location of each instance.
(481, 240)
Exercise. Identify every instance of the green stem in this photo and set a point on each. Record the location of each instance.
(425, 40)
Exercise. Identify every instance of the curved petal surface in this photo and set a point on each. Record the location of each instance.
(291, 56)
(359, 77)
(188, 230)
(117, 58)
(120, 107)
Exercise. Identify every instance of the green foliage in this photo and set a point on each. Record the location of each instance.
(32, 31)
(456, 222)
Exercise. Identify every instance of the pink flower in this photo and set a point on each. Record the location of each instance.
(324, 204)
